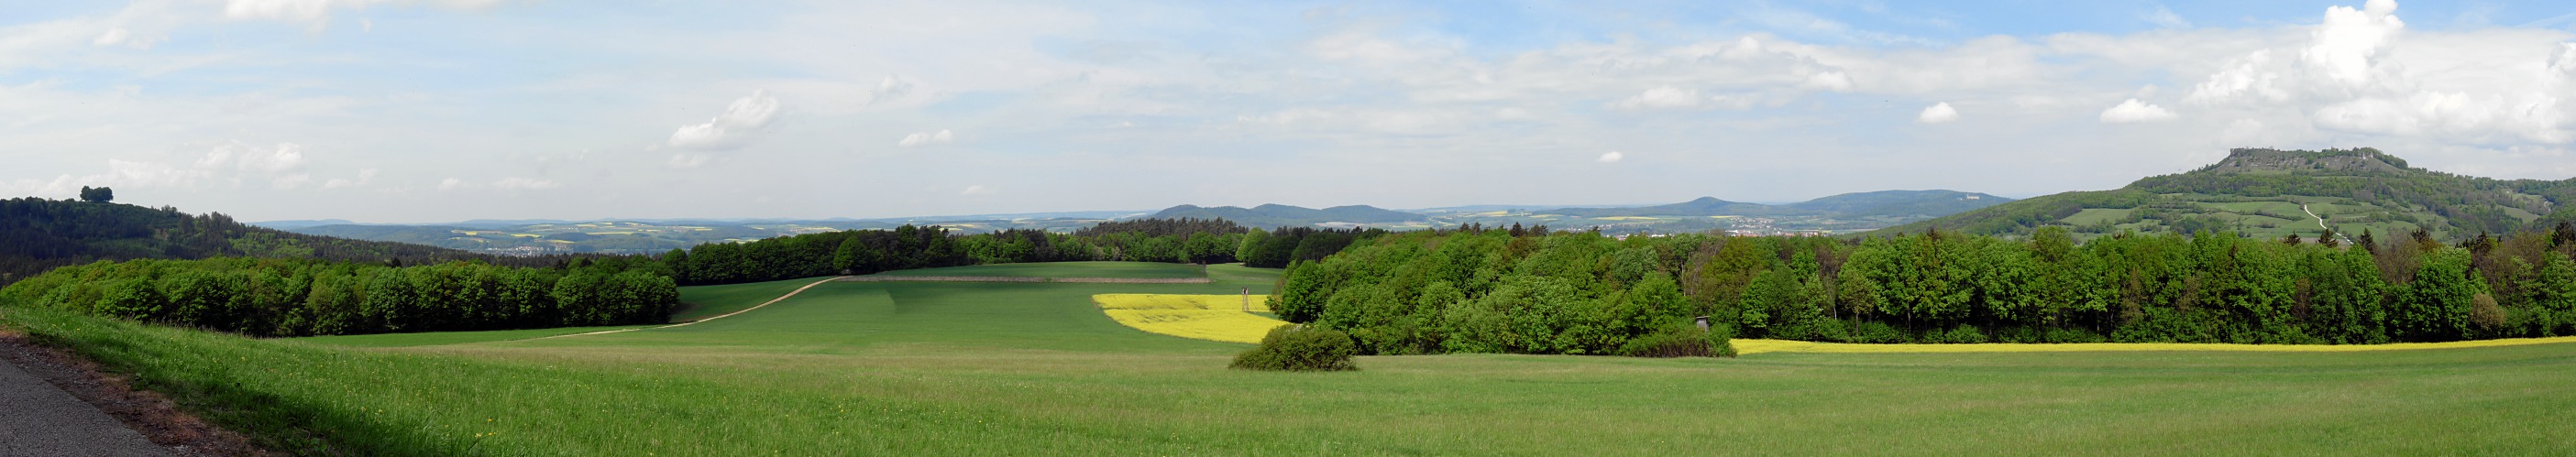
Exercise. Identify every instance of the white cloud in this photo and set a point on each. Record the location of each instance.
(732, 129)
(1831, 80)
(1937, 113)
(2344, 45)
(453, 184)
(2251, 75)
(2135, 111)
(1661, 97)
(977, 189)
(1612, 157)
(926, 138)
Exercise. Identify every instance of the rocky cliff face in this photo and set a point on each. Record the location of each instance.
(2363, 160)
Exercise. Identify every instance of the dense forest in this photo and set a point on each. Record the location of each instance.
(38, 234)
(1582, 293)
(298, 297)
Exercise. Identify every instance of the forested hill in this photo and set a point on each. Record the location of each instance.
(1276, 215)
(38, 234)
(2270, 193)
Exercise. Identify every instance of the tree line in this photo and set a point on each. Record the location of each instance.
(1582, 293)
(301, 297)
(858, 252)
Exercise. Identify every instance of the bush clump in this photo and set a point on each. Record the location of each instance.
(1300, 348)
(1681, 340)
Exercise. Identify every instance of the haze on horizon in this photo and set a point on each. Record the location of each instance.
(443, 110)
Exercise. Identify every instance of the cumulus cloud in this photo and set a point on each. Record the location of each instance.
(2344, 45)
(2358, 71)
(1831, 80)
(2135, 111)
(977, 189)
(1611, 157)
(731, 129)
(926, 138)
(1937, 113)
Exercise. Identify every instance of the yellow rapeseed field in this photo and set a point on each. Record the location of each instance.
(1205, 317)
(1752, 346)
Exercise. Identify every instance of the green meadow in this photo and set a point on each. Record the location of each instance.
(911, 368)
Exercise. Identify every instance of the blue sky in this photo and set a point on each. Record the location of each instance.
(419, 111)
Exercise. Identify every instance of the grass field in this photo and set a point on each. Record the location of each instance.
(1123, 270)
(440, 338)
(1035, 368)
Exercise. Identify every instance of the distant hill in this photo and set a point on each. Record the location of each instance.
(1881, 204)
(2270, 193)
(38, 234)
(1703, 206)
(1891, 203)
(1276, 215)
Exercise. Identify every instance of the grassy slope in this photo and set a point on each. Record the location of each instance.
(700, 302)
(947, 368)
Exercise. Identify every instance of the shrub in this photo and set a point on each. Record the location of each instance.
(1964, 334)
(1877, 332)
(1300, 348)
(1680, 340)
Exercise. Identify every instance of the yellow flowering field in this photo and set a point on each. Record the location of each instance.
(1205, 317)
(1756, 346)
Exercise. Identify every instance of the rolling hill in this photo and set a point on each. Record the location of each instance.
(2270, 193)
(38, 234)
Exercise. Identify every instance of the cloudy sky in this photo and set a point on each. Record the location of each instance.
(419, 111)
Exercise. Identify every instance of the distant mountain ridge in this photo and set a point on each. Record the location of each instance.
(1886, 203)
(1277, 215)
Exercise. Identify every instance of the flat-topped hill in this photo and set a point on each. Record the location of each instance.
(2274, 193)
